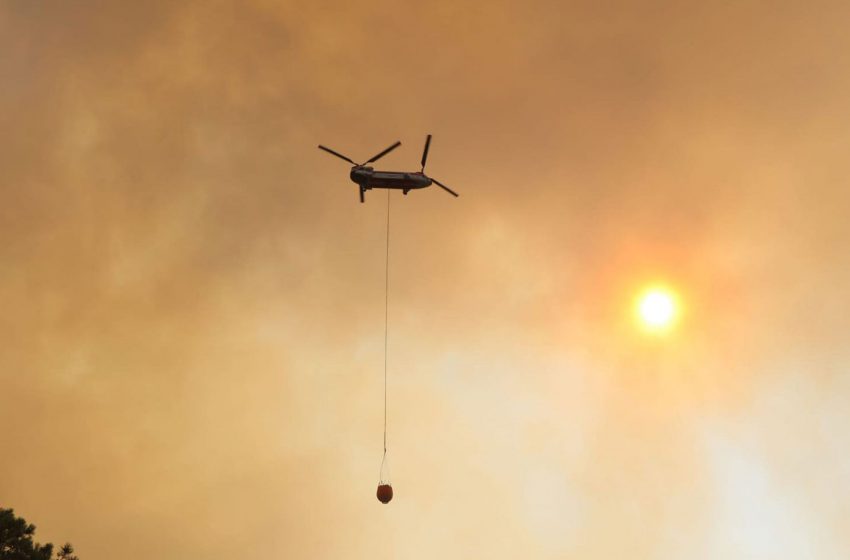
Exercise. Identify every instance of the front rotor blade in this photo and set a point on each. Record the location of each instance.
(439, 184)
(425, 152)
(382, 154)
(337, 154)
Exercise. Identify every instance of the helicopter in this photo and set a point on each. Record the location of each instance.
(367, 178)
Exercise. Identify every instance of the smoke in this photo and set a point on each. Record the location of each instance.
(192, 294)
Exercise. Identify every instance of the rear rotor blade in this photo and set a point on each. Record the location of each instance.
(337, 154)
(382, 154)
(425, 152)
(439, 184)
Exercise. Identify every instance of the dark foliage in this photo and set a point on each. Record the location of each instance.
(16, 541)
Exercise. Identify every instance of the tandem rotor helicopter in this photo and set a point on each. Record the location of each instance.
(367, 178)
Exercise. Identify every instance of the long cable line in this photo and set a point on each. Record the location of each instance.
(386, 317)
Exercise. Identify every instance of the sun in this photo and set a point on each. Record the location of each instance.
(657, 309)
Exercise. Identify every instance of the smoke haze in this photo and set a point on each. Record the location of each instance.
(192, 295)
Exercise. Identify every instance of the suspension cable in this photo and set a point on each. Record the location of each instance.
(386, 316)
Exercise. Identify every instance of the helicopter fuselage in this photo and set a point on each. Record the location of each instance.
(367, 178)
(404, 181)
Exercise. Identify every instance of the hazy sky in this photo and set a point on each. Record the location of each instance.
(192, 295)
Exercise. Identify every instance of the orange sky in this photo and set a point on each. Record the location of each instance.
(192, 296)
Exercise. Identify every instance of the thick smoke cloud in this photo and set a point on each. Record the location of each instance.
(192, 295)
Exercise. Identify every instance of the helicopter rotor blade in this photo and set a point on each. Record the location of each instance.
(425, 152)
(337, 154)
(382, 154)
(439, 184)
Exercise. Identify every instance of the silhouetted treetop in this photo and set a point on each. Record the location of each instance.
(16, 541)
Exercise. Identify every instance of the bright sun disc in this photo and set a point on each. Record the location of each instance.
(657, 309)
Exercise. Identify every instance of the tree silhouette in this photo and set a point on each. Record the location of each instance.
(16, 541)
(66, 553)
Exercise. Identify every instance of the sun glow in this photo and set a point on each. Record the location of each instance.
(657, 309)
